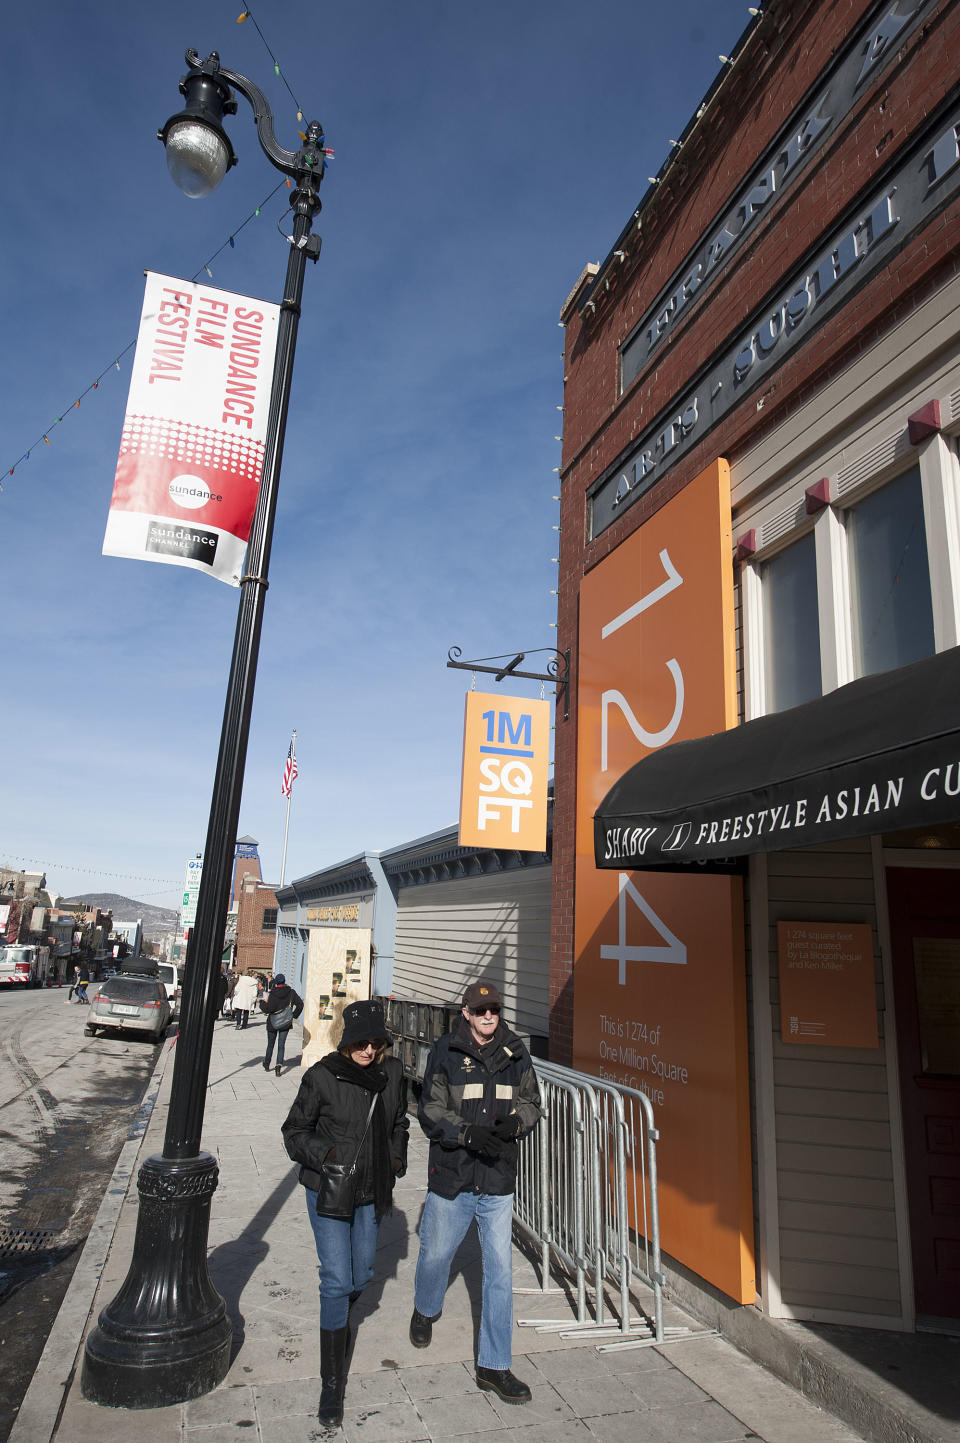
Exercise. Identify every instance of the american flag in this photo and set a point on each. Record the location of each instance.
(289, 773)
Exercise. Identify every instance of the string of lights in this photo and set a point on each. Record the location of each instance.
(45, 867)
(94, 385)
(247, 14)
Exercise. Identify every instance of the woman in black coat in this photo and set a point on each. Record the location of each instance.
(328, 1122)
(281, 1005)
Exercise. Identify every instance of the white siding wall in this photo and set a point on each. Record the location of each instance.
(497, 926)
(838, 1238)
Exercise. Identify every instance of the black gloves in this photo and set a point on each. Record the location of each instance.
(491, 1141)
(483, 1140)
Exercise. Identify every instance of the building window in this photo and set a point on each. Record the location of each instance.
(791, 635)
(269, 923)
(890, 604)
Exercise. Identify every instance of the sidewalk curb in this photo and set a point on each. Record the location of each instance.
(39, 1413)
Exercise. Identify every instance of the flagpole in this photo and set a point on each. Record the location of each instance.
(286, 825)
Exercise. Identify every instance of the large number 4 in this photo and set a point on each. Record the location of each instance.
(615, 698)
(673, 951)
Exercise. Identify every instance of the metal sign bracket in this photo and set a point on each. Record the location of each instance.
(557, 672)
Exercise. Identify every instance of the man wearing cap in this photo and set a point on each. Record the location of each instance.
(479, 1097)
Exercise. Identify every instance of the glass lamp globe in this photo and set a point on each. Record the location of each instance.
(197, 157)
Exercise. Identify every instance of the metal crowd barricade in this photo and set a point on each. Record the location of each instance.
(549, 1196)
(591, 1198)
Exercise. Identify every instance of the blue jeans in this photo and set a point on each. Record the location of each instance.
(280, 1038)
(345, 1251)
(442, 1229)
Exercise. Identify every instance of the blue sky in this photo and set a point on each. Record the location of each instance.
(484, 155)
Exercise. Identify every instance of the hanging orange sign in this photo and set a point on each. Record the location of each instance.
(659, 985)
(506, 757)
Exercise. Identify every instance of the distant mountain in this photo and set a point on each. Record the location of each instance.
(157, 921)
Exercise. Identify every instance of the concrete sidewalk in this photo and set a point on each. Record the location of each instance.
(262, 1259)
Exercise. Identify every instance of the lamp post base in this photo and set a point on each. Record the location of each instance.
(166, 1335)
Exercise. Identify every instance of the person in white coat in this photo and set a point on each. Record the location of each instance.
(244, 998)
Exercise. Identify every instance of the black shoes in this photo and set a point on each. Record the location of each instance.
(277, 1069)
(266, 1067)
(502, 1382)
(421, 1329)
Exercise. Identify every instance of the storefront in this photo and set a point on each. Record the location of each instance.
(334, 943)
(758, 790)
(469, 912)
(420, 922)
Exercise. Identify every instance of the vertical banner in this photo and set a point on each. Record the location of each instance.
(506, 757)
(659, 984)
(192, 449)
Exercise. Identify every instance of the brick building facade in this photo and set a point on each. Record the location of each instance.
(256, 926)
(777, 331)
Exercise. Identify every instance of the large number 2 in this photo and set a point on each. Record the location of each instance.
(615, 698)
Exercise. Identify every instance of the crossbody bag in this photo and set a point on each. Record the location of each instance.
(337, 1187)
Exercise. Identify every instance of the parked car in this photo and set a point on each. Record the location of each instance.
(130, 1004)
(170, 980)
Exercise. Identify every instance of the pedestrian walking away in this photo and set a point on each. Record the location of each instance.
(281, 1005)
(74, 981)
(348, 1130)
(244, 997)
(479, 1097)
(228, 1000)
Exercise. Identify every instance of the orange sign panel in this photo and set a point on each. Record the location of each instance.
(659, 995)
(506, 757)
(827, 990)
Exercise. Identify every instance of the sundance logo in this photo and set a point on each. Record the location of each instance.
(191, 492)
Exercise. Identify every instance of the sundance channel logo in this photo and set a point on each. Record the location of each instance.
(191, 543)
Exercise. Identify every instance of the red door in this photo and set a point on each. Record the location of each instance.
(925, 933)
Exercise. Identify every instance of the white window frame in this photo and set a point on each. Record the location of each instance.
(940, 491)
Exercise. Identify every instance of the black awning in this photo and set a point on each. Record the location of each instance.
(879, 755)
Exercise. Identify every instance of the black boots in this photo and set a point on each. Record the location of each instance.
(333, 1375)
(502, 1382)
(277, 1068)
(421, 1329)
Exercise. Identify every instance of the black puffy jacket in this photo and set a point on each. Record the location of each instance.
(468, 1084)
(326, 1122)
(280, 996)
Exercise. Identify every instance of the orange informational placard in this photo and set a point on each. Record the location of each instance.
(506, 757)
(828, 995)
(659, 987)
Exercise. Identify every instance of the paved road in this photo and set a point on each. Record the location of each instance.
(66, 1105)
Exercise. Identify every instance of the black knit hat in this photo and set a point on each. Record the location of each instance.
(362, 1022)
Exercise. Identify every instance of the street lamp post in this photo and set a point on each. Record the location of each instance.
(166, 1335)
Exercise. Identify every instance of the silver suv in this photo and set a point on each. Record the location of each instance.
(130, 1004)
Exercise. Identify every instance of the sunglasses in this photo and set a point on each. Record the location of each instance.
(362, 1046)
(482, 1011)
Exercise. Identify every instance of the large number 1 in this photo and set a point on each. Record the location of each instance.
(649, 739)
